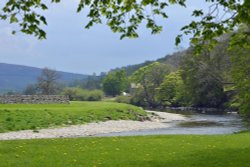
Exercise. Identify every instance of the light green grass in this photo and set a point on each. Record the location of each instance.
(149, 151)
(15, 117)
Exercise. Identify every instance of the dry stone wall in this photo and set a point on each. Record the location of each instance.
(34, 99)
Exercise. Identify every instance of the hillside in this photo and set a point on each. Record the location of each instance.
(173, 59)
(17, 77)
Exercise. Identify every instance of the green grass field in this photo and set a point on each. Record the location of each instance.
(14, 117)
(150, 151)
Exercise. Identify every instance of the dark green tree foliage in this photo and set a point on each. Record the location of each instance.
(148, 79)
(221, 60)
(115, 82)
(202, 81)
(240, 57)
(171, 91)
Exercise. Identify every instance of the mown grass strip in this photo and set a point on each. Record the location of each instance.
(148, 151)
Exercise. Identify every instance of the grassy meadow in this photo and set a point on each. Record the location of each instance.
(136, 151)
(14, 117)
(141, 151)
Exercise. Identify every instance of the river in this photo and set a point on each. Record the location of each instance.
(195, 124)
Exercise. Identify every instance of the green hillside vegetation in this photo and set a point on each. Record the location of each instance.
(14, 117)
(215, 77)
(143, 151)
(172, 60)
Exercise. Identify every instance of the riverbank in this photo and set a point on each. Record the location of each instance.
(157, 120)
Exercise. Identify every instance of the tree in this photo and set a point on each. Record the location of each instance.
(240, 58)
(47, 82)
(125, 16)
(224, 16)
(115, 82)
(203, 82)
(171, 92)
(149, 79)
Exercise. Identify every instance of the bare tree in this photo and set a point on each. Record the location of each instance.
(47, 81)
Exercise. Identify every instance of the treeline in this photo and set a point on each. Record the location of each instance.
(216, 78)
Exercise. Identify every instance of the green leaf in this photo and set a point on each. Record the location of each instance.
(43, 19)
(178, 40)
(13, 18)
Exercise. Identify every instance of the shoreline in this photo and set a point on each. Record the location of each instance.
(157, 120)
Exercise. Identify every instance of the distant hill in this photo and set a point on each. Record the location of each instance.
(174, 60)
(17, 77)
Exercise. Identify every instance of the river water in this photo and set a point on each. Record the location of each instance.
(195, 124)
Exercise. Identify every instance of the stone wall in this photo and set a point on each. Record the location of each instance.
(34, 99)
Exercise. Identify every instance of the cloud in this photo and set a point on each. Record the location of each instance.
(13, 44)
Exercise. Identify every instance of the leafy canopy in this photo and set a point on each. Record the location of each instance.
(125, 16)
(115, 82)
(171, 91)
(148, 79)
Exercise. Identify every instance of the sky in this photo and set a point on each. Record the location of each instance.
(71, 48)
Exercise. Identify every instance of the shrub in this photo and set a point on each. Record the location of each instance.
(78, 94)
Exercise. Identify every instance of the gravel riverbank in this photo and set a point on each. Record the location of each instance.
(158, 120)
